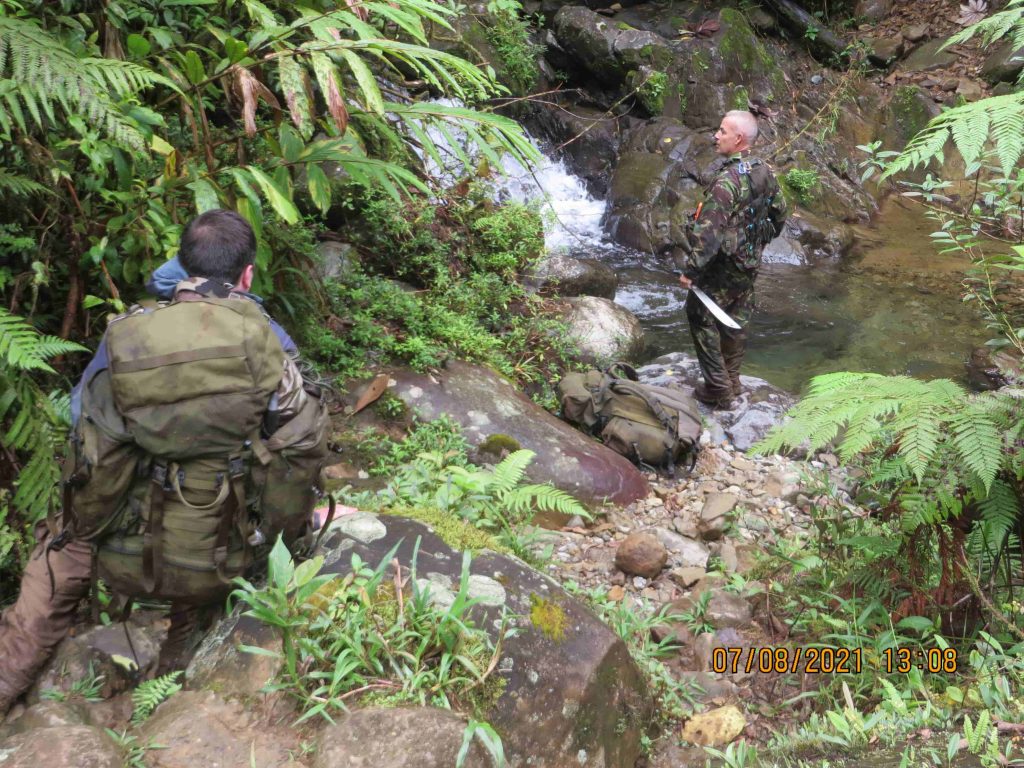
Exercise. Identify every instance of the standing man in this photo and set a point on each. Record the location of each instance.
(743, 211)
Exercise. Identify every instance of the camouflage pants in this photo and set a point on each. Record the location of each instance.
(44, 611)
(719, 348)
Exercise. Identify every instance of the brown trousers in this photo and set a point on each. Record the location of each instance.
(40, 618)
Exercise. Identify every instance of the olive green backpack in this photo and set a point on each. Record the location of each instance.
(653, 426)
(170, 473)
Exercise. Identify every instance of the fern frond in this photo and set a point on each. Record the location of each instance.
(150, 694)
(509, 472)
(19, 186)
(979, 442)
(40, 73)
(543, 498)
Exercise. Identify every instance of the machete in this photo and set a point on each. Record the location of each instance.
(715, 310)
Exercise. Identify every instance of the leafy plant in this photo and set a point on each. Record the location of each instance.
(510, 36)
(487, 736)
(802, 182)
(362, 635)
(151, 693)
(89, 688)
(495, 500)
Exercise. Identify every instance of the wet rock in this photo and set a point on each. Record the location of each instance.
(1004, 64)
(971, 90)
(884, 50)
(991, 369)
(641, 554)
(103, 652)
(606, 50)
(562, 669)
(420, 737)
(928, 58)
(336, 259)
(755, 423)
(714, 515)
(49, 714)
(592, 136)
(915, 33)
(61, 746)
(684, 551)
(220, 665)
(715, 728)
(576, 277)
(485, 405)
(199, 728)
(873, 10)
(603, 330)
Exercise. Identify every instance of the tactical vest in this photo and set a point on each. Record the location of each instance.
(751, 221)
(170, 471)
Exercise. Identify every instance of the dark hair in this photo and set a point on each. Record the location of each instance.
(217, 245)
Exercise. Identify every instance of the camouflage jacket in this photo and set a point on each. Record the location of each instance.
(743, 211)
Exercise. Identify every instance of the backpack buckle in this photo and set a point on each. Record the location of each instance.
(159, 475)
(236, 467)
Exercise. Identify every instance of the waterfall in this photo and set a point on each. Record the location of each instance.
(572, 217)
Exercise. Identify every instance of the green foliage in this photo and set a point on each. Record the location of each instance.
(634, 623)
(442, 435)
(87, 688)
(651, 92)
(151, 693)
(803, 183)
(510, 36)
(487, 736)
(32, 430)
(495, 500)
(347, 637)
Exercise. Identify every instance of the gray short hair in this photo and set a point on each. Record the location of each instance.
(745, 123)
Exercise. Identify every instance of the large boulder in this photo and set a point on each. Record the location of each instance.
(873, 10)
(61, 746)
(226, 669)
(606, 50)
(116, 656)
(761, 407)
(409, 737)
(570, 694)
(199, 728)
(589, 138)
(567, 276)
(928, 57)
(488, 406)
(603, 331)
(1004, 64)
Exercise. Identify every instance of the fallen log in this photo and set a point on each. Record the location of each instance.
(822, 42)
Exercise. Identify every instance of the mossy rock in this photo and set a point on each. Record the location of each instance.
(746, 59)
(498, 444)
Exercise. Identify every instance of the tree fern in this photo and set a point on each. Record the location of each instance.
(509, 472)
(32, 424)
(42, 74)
(19, 186)
(150, 694)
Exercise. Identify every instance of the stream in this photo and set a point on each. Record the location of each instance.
(893, 307)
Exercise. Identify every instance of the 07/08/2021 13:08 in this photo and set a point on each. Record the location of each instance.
(831, 660)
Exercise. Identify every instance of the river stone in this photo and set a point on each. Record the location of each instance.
(571, 687)
(684, 552)
(603, 331)
(873, 10)
(485, 405)
(882, 51)
(714, 515)
(641, 554)
(420, 737)
(199, 728)
(755, 424)
(927, 58)
(783, 484)
(728, 610)
(567, 276)
(991, 369)
(102, 648)
(1004, 64)
(220, 665)
(971, 90)
(715, 728)
(61, 746)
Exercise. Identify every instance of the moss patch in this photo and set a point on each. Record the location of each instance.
(740, 98)
(740, 49)
(909, 110)
(498, 443)
(549, 617)
(451, 529)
